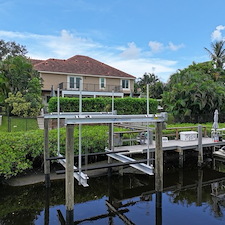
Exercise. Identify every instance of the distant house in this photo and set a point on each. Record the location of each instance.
(82, 73)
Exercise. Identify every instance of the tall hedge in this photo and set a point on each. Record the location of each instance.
(124, 106)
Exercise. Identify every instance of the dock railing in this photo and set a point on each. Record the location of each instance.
(119, 138)
(190, 128)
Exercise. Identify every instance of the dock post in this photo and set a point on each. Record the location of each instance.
(158, 208)
(69, 174)
(200, 149)
(110, 146)
(46, 154)
(158, 172)
(199, 187)
(47, 205)
(181, 178)
(181, 157)
(158, 157)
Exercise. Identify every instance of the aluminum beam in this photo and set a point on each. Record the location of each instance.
(65, 115)
(125, 159)
(92, 93)
(93, 119)
(80, 176)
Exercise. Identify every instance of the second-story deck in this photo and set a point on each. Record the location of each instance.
(92, 90)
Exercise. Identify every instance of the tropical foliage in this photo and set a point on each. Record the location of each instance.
(217, 54)
(156, 87)
(194, 91)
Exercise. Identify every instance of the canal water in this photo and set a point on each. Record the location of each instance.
(190, 196)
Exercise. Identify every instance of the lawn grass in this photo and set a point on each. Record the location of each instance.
(18, 124)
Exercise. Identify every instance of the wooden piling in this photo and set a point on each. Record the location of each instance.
(158, 157)
(110, 146)
(46, 154)
(69, 173)
(200, 150)
(199, 187)
(181, 179)
(181, 157)
(158, 208)
(47, 205)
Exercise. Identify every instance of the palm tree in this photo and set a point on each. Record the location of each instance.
(148, 78)
(217, 54)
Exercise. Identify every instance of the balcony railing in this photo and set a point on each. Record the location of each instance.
(89, 87)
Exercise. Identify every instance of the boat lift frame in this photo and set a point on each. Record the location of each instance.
(72, 119)
(106, 118)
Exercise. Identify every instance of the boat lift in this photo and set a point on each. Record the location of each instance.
(104, 118)
(108, 119)
(72, 119)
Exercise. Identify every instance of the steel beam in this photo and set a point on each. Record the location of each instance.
(64, 115)
(93, 119)
(125, 159)
(81, 177)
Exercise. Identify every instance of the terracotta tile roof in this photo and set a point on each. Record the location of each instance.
(35, 61)
(78, 64)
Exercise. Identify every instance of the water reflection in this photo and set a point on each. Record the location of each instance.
(130, 199)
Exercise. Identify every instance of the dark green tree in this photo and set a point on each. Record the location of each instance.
(18, 71)
(11, 48)
(20, 80)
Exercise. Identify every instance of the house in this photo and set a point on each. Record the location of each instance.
(82, 74)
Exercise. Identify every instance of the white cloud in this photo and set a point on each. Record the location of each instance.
(217, 33)
(130, 59)
(11, 35)
(174, 47)
(131, 52)
(137, 67)
(52, 46)
(156, 46)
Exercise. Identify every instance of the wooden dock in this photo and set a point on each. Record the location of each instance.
(171, 145)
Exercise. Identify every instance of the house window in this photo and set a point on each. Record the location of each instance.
(102, 82)
(74, 82)
(125, 84)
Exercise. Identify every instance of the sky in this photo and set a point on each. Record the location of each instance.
(135, 36)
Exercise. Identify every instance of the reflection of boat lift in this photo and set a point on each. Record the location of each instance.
(102, 216)
(220, 153)
(218, 196)
(120, 215)
(218, 190)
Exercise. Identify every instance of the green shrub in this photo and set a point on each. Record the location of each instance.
(122, 105)
(19, 150)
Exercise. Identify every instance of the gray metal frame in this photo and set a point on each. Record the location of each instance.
(93, 119)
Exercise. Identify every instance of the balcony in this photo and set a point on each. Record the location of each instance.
(90, 89)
